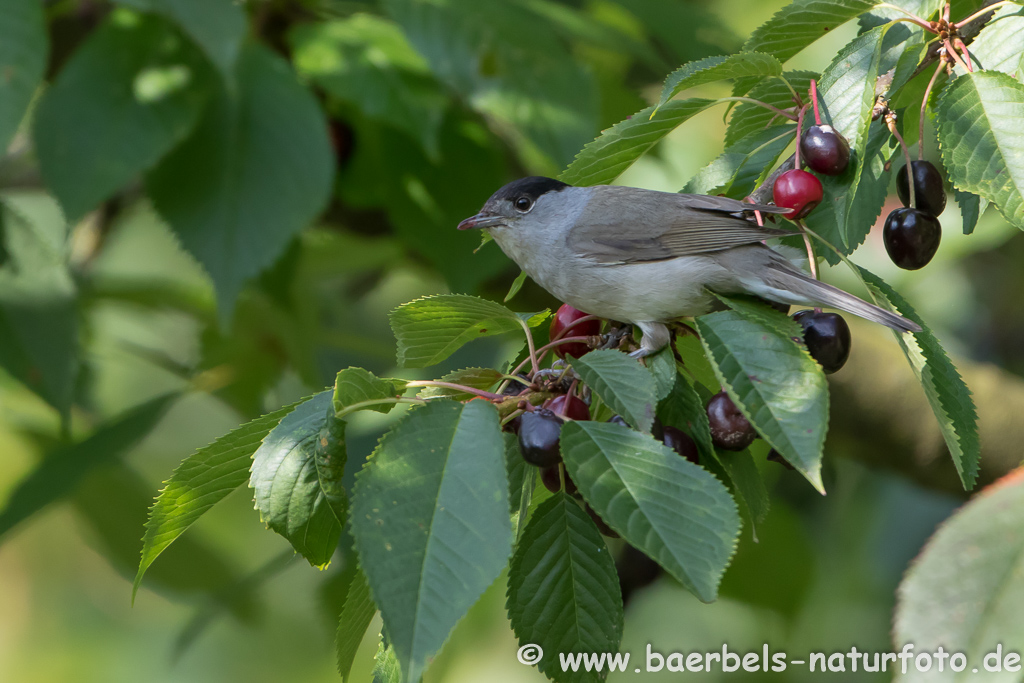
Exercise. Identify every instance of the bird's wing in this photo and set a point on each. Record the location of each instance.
(630, 225)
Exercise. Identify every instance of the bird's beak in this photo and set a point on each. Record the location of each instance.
(481, 220)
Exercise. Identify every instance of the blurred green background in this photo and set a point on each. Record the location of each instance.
(430, 108)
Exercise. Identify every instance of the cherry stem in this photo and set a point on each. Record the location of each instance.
(531, 346)
(574, 323)
(811, 260)
(913, 18)
(924, 104)
(452, 385)
(378, 401)
(891, 123)
(759, 103)
(945, 13)
(796, 97)
(511, 416)
(962, 46)
(542, 351)
(814, 101)
(983, 11)
(799, 128)
(951, 51)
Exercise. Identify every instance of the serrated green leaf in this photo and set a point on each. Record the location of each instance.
(60, 473)
(750, 119)
(711, 69)
(774, 382)
(201, 481)
(617, 148)
(998, 46)
(430, 517)
(947, 394)
(971, 208)
(622, 383)
(430, 329)
(355, 618)
(256, 170)
(366, 61)
(23, 46)
(128, 95)
(563, 590)
(694, 360)
(355, 387)
(476, 378)
(741, 167)
(662, 367)
(760, 312)
(38, 313)
(672, 510)
(748, 485)
(800, 23)
(516, 469)
(978, 120)
(965, 592)
(296, 479)
(386, 668)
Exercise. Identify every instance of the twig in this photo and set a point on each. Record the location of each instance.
(924, 104)
(968, 29)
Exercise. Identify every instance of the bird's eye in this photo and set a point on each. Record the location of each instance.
(524, 204)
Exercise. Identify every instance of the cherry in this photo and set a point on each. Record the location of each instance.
(681, 443)
(797, 190)
(928, 191)
(549, 476)
(601, 526)
(568, 406)
(636, 570)
(538, 437)
(824, 150)
(827, 337)
(911, 237)
(730, 430)
(566, 315)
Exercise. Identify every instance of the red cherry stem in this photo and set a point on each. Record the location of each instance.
(574, 323)
(890, 121)
(531, 346)
(951, 51)
(984, 10)
(542, 351)
(810, 249)
(457, 387)
(814, 101)
(911, 17)
(962, 46)
(924, 104)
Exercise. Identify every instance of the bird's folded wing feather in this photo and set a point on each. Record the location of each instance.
(664, 225)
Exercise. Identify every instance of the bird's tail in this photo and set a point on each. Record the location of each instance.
(783, 279)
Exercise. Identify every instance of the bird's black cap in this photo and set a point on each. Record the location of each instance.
(532, 187)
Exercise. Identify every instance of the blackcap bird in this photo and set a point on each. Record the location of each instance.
(647, 257)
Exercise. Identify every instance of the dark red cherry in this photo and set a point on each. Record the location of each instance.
(929, 194)
(827, 337)
(730, 429)
(539, 432)
(797, 190)
(570, 406)
(911, 237)
(565, 316)
(824, 150)
(681, 443)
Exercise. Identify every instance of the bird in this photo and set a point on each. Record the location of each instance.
(650, 258)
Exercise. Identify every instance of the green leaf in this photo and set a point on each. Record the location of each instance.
(684, 409)
(947, 394)
(355, 387)
(621, 383)
(965, 592)
(517, 471)
(430, 329)
(255, 171)
(60, 473)
(128, 95)
(217, 26)
(694, 361)
(477, 378)
(201, 481)
(517, 284)
(998, 47)
(774, 382)
(748, 485)
(978, 120)
(800, 23)
(386, 668)
(367, 61)
(617, 148)
(971, 208)
(296, 479)
(750, 119)
(430, 517)
(662, 367)
(563, 590)
(711, 69)
(741, 167)
(38, 313)
(23, 47)
(760, 312)
(672, 510)
(355, 618)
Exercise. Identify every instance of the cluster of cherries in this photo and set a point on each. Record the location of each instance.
(824, 150)
(911, 234)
